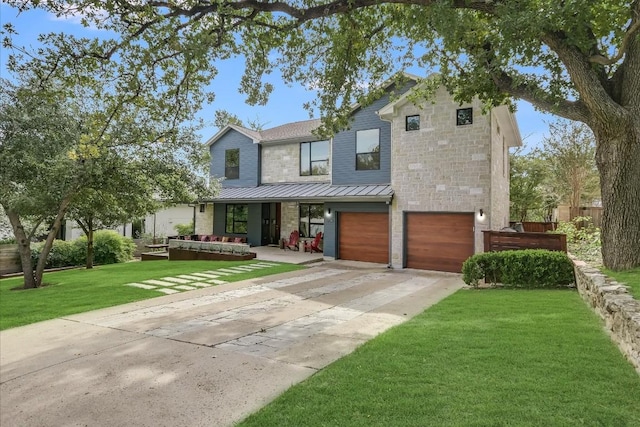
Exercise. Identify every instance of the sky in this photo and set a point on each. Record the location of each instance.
(285, 103)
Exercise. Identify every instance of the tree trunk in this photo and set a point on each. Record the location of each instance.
(618, 160)
(89, 263)
(53, 231)
(24, 248)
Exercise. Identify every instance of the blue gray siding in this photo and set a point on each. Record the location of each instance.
(330, 239)
(254, 223)
(249, 159)
(343, 153)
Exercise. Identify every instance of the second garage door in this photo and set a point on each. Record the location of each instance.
(364, 236)
(438, 241)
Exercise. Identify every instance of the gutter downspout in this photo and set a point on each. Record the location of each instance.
(390, 203)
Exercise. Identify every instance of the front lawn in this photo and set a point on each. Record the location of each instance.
(628, 277)
(77, 291)
(478, 358)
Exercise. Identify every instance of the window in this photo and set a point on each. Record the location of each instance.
(232, 163)
(368, 149)
(464, 116)
(412, 123)
(236, 219)
(203, 207)
(314, 158)
(311, 220)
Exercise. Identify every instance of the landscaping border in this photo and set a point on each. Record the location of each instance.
(614, 303)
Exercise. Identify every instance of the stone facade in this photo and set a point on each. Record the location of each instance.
(204, 220)
(615, 305)
(499, 207)
(281, 163)
(290, 216)
(443, 167)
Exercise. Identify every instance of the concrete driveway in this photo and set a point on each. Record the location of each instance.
(202, 358)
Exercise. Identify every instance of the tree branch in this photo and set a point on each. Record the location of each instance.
(572, 110)
(632, 30)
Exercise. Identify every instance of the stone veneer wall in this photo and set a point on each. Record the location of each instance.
(499, 209)
(441, 167)
(615, 305)
(289, 218)
(281, 163)
(204, 220)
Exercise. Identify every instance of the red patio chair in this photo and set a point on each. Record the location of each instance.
(292, 244)
(313, 245)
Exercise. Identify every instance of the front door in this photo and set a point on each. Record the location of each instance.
(270, 223)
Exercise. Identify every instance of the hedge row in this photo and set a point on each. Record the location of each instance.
(109, 247)
(531, 268)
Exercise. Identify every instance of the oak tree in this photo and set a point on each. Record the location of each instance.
(578, 60)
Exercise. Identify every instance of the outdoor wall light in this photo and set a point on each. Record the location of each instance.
(481, 212)
(328, 211)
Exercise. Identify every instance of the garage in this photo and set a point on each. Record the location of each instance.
(438, 241)
(364, 236)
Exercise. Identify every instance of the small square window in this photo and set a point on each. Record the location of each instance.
(464, 116)
(413, 123)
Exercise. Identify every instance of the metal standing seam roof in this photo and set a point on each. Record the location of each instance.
(306, 191)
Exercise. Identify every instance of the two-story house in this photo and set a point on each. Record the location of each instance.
(405, 185)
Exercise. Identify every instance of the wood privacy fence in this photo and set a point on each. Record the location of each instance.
(566, 213)
(537, 227)
(506, 241)
(9, 259)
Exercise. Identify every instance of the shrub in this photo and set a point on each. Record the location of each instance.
(109, 247)
(8, 241)
(62, 254)
(531, 268)
(583, 239)
(184, 229)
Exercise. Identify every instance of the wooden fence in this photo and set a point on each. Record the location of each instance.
(566, 213)
(537, 227)
(506, 241)
(9, 259)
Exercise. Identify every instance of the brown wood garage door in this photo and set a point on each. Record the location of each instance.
(438, 241)
(364, 236)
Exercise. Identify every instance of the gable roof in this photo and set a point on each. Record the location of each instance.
(289, 132)
(251, 134)
(300, 131)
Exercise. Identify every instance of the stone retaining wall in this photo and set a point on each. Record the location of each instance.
(615, 305)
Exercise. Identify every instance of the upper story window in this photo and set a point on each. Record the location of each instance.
(236, 219)
(232, 163)
(368, 149)
(464, 116)
(412, 123)
(314, 158)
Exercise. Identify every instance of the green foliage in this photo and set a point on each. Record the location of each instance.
(529, 200)
(8, 241)
(531, 268)
(184, 229)
(583, 239)
(109, 248)
(63, 254)
(569, 155)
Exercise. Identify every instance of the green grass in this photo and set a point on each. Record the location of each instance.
(630, 278)
(77, 291)
(478, 358)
